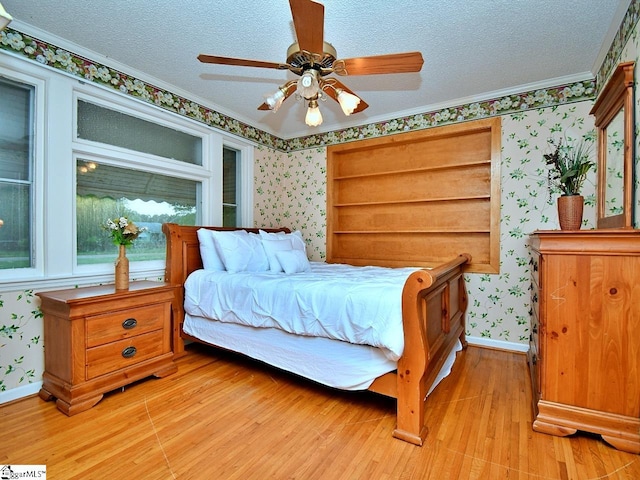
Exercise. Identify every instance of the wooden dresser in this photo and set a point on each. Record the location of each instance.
(584, 355)
(97, 339)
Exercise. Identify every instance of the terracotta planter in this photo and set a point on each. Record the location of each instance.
(570, 211)
(122, 269)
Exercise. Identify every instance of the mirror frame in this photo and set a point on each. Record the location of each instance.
(616, 95)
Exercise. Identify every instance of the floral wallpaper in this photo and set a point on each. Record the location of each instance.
(291, 191)
(489, 108)
(291, 186)
(626, 47)
(631, 51)
(499, 304)
(55, 57)
(625, 38)
(21, 342)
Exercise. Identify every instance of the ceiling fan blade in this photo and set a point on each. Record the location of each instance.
(380, 64)
(333, 94)
(308, 20)
(241, 62)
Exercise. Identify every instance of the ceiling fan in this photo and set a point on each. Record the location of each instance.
(313, 59)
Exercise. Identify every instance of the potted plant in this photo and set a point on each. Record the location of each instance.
(568, 168)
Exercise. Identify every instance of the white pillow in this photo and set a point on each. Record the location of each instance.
(241, 251)
(293, 261)
(208, 252)
(297, 241)
(273, 245)
(296, 238)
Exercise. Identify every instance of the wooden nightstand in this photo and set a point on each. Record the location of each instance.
(97, 339)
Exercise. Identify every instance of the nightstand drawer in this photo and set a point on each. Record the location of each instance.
(117, 355)
(115, 326)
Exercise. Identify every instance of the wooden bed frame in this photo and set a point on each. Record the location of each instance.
(434, 302)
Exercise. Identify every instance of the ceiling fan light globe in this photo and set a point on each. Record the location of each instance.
(348, 102)
(275, 100)
(308, 85)
(313, 117)
(5, 18)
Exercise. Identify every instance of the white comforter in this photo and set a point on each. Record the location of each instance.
(361, 305)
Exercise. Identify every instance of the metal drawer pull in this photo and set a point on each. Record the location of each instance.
(129, 352)
(129, 323)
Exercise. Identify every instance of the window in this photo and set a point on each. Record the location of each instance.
(230, 177)
(104, 154)
(149, 199)
(16, 174)
(144, 193)
(108, 126)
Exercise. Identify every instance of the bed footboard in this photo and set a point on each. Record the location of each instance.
(433, 307)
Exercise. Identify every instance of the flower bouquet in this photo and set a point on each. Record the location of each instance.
(123, 231)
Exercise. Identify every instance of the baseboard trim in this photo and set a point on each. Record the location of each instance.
(20, 392)
(498, 344)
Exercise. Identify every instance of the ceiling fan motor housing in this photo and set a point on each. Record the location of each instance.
(303, 60)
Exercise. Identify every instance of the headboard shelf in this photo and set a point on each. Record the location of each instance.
(416, 198)
(417, 232)
(432, 168)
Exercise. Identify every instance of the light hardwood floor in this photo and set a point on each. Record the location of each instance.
(226, 417)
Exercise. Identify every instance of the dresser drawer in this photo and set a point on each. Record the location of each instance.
(119, 325)
(121, 354)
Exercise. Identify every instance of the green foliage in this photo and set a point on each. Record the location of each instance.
(569, 165)
(8, 331)
(122, 231)
(96, 246)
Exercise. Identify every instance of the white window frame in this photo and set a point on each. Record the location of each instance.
(37, 195)
(244, 198)
(56, 150)
(121, 157)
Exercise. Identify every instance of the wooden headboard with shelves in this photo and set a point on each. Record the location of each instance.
(415, 198)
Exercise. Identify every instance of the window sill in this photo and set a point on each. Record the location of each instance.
(57, 283)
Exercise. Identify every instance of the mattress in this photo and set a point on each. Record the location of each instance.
(360, 305)
(333, 363)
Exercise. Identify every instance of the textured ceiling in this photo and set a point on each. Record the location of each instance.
(473, 49)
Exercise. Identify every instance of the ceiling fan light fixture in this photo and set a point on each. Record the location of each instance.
(308, 85)
(5, 18)
(312, 59)
(348, 101)
(274, 101)
(313, 117)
